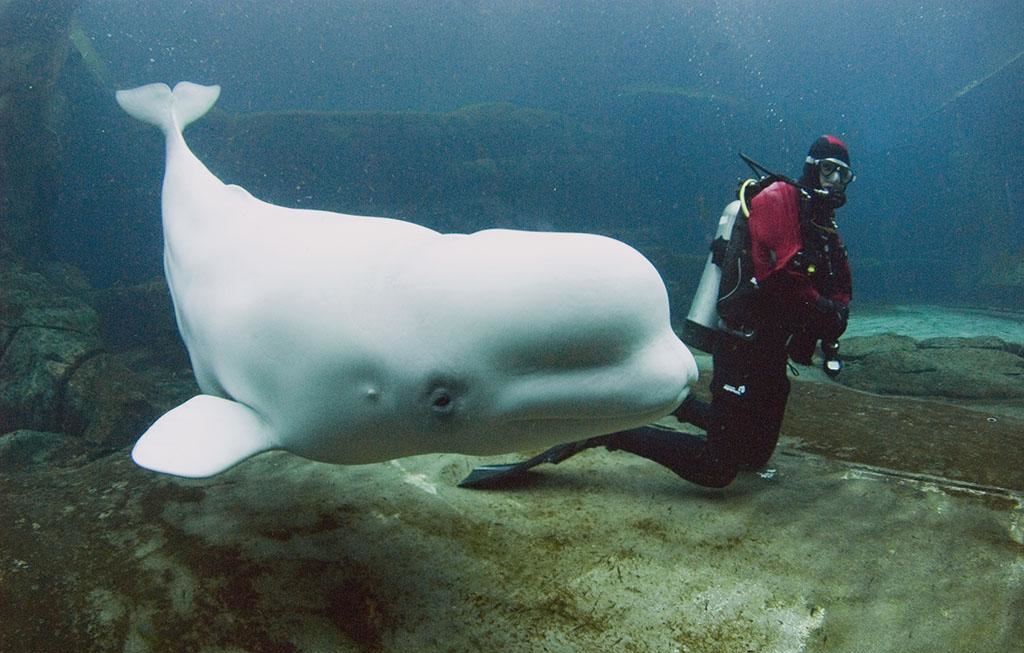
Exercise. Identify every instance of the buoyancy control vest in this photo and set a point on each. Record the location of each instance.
(823, 254)
(727, 300)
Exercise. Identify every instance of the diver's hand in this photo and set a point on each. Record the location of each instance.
(800, 347)
(833, 318)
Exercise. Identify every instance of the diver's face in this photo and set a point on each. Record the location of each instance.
(830, 181)
(833, 173)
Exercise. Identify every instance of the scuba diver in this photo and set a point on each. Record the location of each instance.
(776, 284)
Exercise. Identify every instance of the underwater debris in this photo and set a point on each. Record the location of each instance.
(667, 90)
(981, 80)
(82, 44)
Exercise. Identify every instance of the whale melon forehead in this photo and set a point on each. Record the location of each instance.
(543, 262)
(551, 285)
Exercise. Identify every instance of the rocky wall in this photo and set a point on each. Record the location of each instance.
(33, 47)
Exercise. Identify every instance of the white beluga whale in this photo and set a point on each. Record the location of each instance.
(349, 339)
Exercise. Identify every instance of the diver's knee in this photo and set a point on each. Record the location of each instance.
(720, 479)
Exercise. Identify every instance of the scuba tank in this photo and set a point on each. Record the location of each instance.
(704, 325)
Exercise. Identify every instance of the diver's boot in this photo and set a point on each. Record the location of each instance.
(693, 411)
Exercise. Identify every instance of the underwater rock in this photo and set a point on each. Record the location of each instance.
(858, 347)
(56, 373)
(977, 342)
(22, 449)
(107, 403)
(140, 315)
(44, 336)
(956, 368)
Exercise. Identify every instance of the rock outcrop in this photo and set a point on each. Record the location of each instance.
(58, 374)
(958, 368)
(33, 48)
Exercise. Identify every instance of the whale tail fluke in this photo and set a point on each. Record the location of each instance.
(169, 110)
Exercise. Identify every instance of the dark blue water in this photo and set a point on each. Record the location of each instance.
(674, 90)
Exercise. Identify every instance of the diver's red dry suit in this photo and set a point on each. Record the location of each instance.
(805, 286)
(788, 235)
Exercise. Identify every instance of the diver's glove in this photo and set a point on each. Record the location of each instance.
(831, 362)
(833, 318)
(800, 347)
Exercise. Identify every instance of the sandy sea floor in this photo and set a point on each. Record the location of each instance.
(883, 524)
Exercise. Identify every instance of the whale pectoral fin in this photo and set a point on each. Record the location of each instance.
(202, 437)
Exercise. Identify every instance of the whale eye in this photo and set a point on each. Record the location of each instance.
(443, 395)
(441, 400)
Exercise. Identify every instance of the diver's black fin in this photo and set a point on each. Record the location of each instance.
(488, 476)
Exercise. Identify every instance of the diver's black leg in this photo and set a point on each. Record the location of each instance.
(749, 391)
(764, 428)
(687, 455)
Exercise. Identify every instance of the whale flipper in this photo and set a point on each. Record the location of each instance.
(202, 437)
(169, 110)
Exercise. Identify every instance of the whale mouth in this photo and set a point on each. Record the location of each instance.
(647, 388)
(610, 407)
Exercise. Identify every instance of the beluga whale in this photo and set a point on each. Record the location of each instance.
(349, 339)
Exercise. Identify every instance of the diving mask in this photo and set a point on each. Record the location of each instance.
(829, 167)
